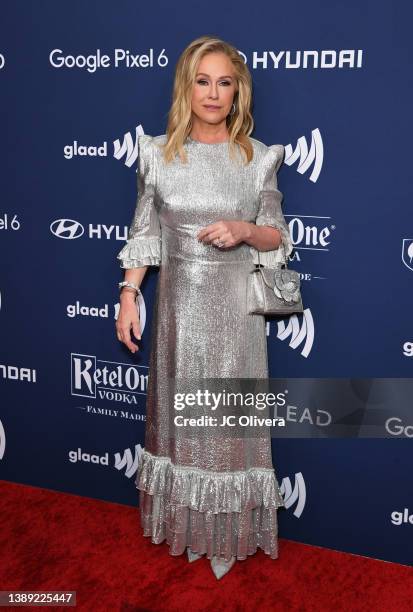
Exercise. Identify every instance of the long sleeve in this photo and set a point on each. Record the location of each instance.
(143, 247)
(269, 210)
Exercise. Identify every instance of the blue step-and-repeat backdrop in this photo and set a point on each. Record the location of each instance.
(79, 81)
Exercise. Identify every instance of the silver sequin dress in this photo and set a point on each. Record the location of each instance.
(219, 496)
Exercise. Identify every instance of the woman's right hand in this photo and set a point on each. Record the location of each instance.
(128, 319)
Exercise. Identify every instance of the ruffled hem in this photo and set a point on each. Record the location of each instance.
(225, 535)
(205, 490)
(215, 513)
(138, 252)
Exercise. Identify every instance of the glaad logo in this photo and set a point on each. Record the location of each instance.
(74, 150)
(298, 334)
(408, 349)
(407, 253)
(398, 518)
(129, 147)
(2, 61)
(79, 455)
(298, 494)
(2, 441)
(110, 380)
(307, 157)
(69, 229)
(74, 310)
(128, 460)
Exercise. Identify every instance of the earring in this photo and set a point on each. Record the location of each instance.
(232, 111)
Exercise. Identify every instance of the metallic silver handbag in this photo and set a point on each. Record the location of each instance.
(273, 291)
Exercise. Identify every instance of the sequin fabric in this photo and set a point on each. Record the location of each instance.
(217, 495)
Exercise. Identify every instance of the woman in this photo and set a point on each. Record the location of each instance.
(207, 202)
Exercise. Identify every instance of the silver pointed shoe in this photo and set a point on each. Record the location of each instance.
(192, 556)
(220, 567)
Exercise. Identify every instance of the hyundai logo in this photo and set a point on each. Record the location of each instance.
(67, 229)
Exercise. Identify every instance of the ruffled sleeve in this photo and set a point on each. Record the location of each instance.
(143, 247)
(269, 209)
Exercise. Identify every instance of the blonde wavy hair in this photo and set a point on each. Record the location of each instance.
(240, 124)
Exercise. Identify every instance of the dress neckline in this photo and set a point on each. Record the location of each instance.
(208, 144)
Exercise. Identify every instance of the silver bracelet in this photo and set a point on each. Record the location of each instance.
(129, 284)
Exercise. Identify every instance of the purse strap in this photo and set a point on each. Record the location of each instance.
(279, 263)
(277, 267)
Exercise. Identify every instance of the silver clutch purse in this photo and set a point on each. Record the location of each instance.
(274, 291)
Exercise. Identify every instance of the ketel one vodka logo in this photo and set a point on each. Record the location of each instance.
(96, 378)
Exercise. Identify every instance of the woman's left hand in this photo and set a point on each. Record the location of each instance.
(224, 234)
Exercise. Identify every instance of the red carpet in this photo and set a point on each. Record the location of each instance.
(55, 541)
